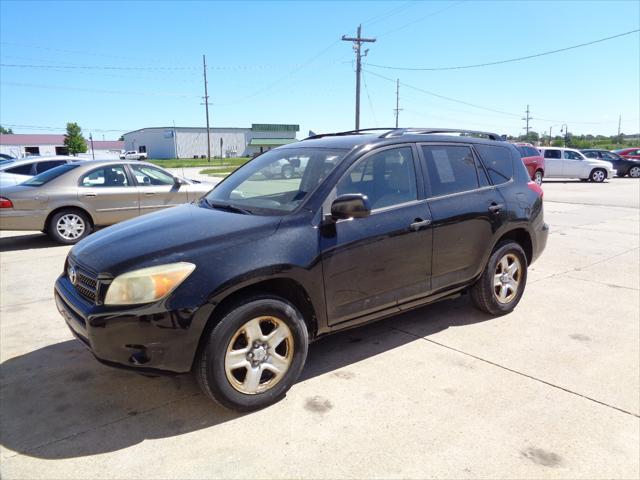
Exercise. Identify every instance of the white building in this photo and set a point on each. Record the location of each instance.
(21, 145)
(187, 142)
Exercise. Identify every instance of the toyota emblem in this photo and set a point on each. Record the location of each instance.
(72, 274)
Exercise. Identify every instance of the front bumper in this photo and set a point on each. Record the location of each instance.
(147, 338)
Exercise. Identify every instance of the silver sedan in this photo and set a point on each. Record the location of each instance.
(69, 201)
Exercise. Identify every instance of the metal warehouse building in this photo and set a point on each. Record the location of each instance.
(21, 145)
(187, 142)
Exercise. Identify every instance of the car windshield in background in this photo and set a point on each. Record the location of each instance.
(6, 161)
(49, 175)
(278, 180)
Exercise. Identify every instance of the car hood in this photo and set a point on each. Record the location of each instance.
(601, 163)
(177, 234)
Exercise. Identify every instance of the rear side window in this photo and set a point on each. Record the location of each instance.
(451, 169)
(552, 154)
(498, 162)
(44, 166)
(591, 154)
(21, 170)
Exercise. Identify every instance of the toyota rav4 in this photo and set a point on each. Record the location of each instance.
(234, 286)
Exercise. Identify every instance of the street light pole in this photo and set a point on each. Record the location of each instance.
(93, 152)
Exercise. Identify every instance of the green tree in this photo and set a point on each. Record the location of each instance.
(6, 131)
(73, 139)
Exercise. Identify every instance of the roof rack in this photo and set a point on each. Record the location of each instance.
(348, 132)
(396, 132)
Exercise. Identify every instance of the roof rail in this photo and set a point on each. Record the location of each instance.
(348, 132)
(426, 131)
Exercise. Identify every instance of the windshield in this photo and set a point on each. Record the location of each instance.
(49, 175)
(278, 180)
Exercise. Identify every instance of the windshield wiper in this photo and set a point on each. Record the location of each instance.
(228, 207)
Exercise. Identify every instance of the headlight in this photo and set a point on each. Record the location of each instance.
(147, 284)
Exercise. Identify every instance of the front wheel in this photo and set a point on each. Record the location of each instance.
(598, 175)
(254, 354)
(502, 283)
(69, 226)
(634, 172)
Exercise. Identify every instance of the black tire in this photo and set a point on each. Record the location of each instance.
(72, 213)
(634, 172)
(209, 367)
(483, 292)
(287, 172)
(598, 175)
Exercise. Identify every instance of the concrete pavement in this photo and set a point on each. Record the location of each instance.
(549, 391)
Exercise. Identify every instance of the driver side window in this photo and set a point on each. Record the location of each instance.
(568, 154)
(147, 176)
(387, 178)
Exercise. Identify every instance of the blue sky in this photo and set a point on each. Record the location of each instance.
(283, 62)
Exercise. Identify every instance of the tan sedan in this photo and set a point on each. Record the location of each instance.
(69, 201)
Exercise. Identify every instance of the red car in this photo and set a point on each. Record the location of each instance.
(533, 160)
(629, 153)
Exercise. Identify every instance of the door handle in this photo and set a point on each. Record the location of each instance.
(496, 207)
(90, 194)
(148, 194)
(419, 223)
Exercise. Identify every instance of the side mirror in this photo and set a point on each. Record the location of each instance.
(178, 181)
(350, 205)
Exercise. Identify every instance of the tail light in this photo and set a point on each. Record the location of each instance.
(5, 203)
(536, 188)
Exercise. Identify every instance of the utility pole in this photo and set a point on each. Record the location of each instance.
(397, 109)
(206, 106)
(619, 131)
(93, 152)
(357, 44)
(550, 136)
(565, 127)
(527, 118)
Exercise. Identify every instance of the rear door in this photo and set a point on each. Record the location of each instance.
(157, 188)
(109, 194)
(466, 208)
(553, 163)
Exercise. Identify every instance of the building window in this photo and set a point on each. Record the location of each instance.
(62, 151)
(32, 150)
(142, 149)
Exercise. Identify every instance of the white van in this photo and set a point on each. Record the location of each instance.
(571, 163)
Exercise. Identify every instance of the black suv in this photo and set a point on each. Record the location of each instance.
(235, 286)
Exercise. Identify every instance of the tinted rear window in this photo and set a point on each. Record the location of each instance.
(552, 154)
(451, 169)
(21, 169)
(49, 175)
(498, 162)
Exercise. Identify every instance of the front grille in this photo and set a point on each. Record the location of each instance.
(86, 283)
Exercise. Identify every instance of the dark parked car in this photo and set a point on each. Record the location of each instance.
(235, 286)
(623, 165)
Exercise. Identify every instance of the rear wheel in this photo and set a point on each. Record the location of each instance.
(502, 283)
(254, 355)
(69, 226)
(598, 175)
(538, 177)
(634, 172)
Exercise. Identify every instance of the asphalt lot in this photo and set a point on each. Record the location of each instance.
(549, 391)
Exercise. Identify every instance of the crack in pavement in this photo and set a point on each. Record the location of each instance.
(519, 373)
(612, 285)
(9, 306)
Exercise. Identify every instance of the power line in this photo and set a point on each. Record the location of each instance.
(366, 89)
(40, 127)
(91, 67)
(499, 62)
(481, 107)
(90, 90)
(394, 30)
(386, 15)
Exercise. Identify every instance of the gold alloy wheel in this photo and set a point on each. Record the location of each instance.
(506, 278)
(259, 355)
